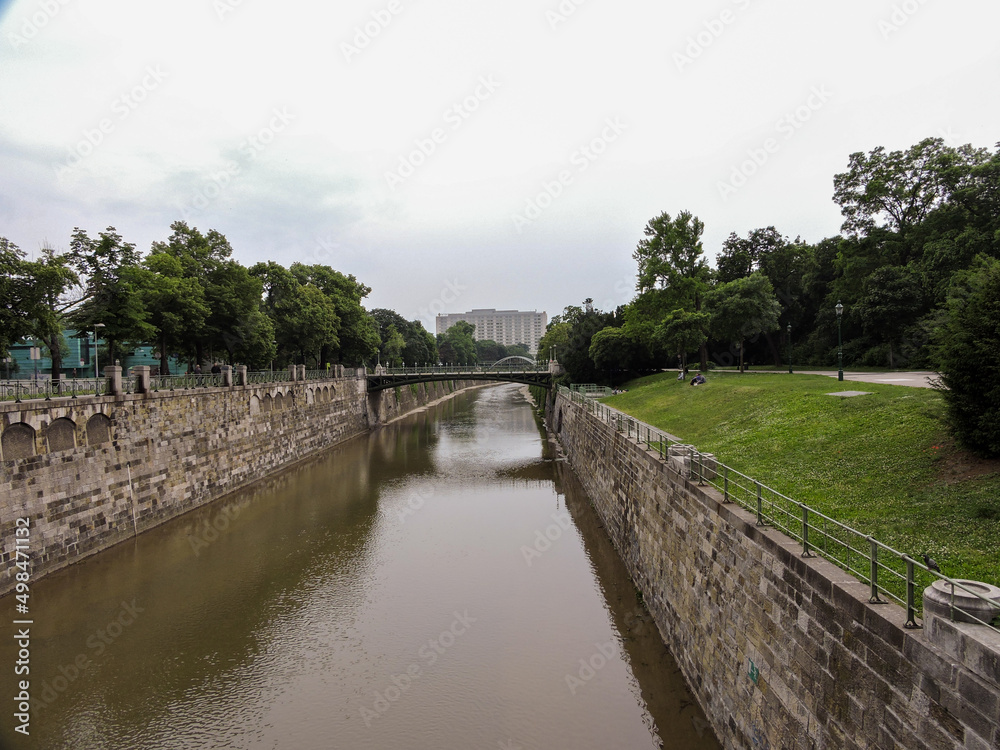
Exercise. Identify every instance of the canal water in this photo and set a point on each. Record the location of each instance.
(439, 583)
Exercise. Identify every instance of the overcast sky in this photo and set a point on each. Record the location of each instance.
(455, 154)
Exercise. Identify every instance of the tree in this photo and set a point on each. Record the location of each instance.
(743, 307)
(393, 347)
(682, 332)
(610, 350)
(489, 351)
(967, 348)
(50, 277)
(113, 285)
(555, 339)
(176, 305)
(420, 347)
(895, 191)
(670, 258)
(15, 295)
(457, 346)
(359, 338)
(888, 304)
(229, 294)
(304, 318)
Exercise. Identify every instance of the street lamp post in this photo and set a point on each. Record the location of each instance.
(789, 329)
(96, 368)
(840, 343)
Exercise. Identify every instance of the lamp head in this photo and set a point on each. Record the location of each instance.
(840, 309)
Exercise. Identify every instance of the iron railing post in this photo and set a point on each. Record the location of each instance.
(911, 621)
(805, 530)
(873, 575)
(760, 505)
(725, 483)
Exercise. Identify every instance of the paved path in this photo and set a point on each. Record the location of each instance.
(921, 379)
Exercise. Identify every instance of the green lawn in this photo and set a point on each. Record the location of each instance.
(882, 463)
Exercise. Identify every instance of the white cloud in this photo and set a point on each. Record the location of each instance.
(320, 181)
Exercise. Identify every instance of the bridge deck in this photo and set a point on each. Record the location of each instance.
(390, 378)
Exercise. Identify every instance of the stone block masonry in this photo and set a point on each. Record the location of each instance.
(94, 471)
(781, 651)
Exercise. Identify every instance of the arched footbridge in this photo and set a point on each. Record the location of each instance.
(510, 370)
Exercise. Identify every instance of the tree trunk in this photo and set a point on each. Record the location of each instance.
(741, 356)
(164, 360)
(55, 351)
(891, 360)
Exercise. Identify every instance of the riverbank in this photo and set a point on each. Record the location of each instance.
(882, 462)
(96, 471)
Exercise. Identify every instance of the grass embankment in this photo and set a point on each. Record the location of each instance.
(882, 463)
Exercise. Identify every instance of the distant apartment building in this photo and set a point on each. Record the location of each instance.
(506, 327)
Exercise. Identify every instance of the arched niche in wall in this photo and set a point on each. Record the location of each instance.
(18, 441)
(60, 435)
(98, 429)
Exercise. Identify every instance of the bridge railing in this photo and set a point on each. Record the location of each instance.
(890, 574)
(459, 369)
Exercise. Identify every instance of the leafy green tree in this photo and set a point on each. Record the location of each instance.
(611, 349)
(968, 353)
(671, 258)
(393, 347)
(304, 318)
(489, 351)
(358, 335)
(555, 339)
(583, 324)
(896, 190)
(230, 294)
(888, 304)
(176, 305)
(682, 332)
(743, 307)
(421, 346)
(15, 295)
(51, 276)
(457, 346)
(113, 290)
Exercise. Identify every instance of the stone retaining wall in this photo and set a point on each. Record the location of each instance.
(781, 651)
(94, 471)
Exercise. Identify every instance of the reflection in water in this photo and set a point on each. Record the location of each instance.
(440, 583)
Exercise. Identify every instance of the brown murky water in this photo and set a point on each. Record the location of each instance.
(440, 583)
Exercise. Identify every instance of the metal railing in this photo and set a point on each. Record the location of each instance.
(181, 382)
(459, 369)
(890, 574)
(46, 388)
